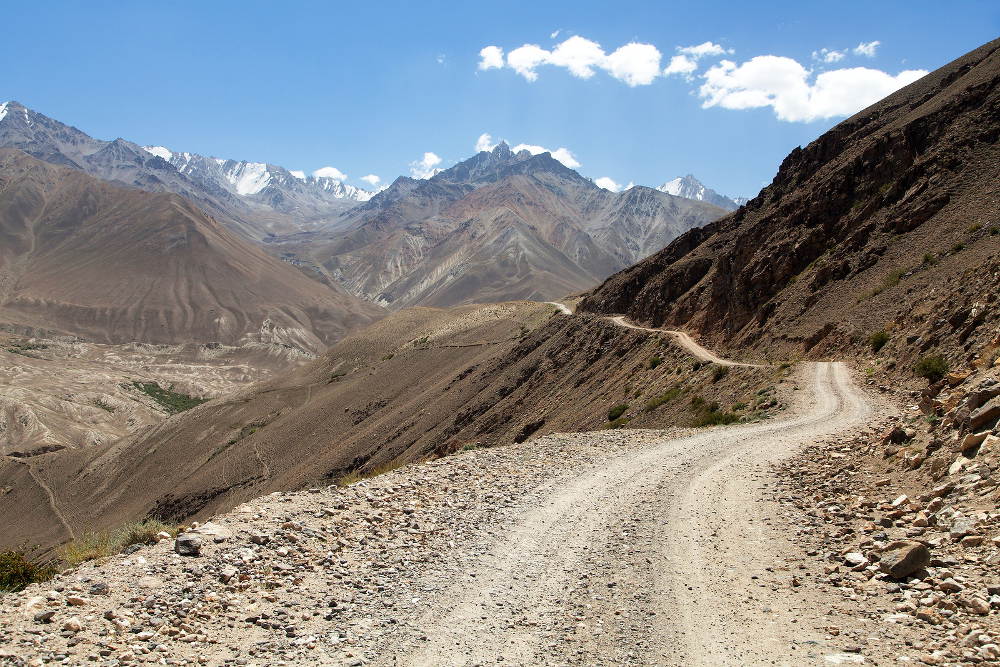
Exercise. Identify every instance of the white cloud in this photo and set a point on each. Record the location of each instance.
(426, 167)
(330, 172)
(372, 180)
(579, 55)
(484, 143)
(681, 65)
(301, 175)
(525, 59)
(828, 55)
(564, 155)
(491, 57)
(686, 62)
(866, 48)
(784, 84)
(634, 64)
(441, 57)
(555, 33)
(607, 184)
(704, 49)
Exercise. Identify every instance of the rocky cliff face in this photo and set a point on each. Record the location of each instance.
(885, 220)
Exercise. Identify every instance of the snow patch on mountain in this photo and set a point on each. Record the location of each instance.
(159, 151)
(3, 110)
(248, 178)
(690, 187)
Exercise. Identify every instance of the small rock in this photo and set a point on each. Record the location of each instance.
(188, 544)
(76, 600)
(44, 616)
(72, 624)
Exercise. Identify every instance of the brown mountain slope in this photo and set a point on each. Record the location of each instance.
(110, 264)
(420, 383)
(888, 221)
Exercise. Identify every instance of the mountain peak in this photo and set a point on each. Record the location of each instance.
(690, 187)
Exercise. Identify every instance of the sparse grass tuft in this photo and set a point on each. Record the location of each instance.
(654, 362)
(930, 259)
(663, 398)
(878, 340)
(617, 411)
(958, 247)
(96, 546)
(18, 570)
(894, 277)
(933, 368)
(719, 372)
(972, 229)
(359, 475)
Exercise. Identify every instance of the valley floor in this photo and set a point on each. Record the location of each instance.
(610, 547)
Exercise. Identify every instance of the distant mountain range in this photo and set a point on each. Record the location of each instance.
(254, 198)
(690, 187)
(87, 258)
(498, 226)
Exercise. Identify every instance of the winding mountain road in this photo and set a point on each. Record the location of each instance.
(683, 339)
(668, 548)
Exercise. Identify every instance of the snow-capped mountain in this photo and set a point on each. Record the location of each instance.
(690, 187)
(253, 178)
(256, 199)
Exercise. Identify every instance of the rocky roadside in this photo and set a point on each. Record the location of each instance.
(902, 521)
(323, 576)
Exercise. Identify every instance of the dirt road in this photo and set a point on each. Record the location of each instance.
(662, 552)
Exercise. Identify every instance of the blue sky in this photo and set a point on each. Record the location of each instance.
(369, 88)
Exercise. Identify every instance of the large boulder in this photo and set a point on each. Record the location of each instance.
(985, 415)
(903, 558)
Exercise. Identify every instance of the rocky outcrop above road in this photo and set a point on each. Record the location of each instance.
(886, 222)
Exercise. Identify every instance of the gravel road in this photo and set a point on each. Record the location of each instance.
(659, 551)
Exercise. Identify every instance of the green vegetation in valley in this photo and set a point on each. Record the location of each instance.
(170, 400)
(710, 414)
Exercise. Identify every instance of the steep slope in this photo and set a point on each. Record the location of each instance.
(497, 226)
(83, 257)
(889, 221)
(423, 382)
(690, 187)
(254, 199)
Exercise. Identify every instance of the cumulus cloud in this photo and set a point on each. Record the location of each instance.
(686, 61)
(699, 51)
(372, 180)
(634, 64)
(484, 143)
(330, 172)
(301, 175)
(564, 155)
(607, 184)
(866, 48)
(491, 57)
(425, 167)
(789, 88)
(828, 55)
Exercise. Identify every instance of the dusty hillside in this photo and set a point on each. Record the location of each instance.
(498, 226)
(59, 393)
(421, 383)
(888, 221)
(79, 256)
